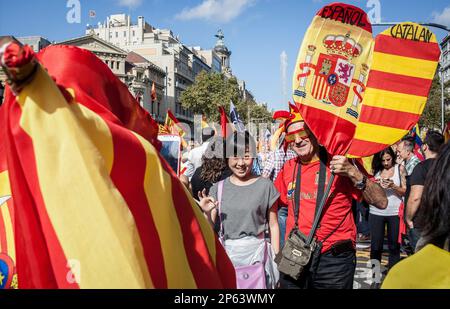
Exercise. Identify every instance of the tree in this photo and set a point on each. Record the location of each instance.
(212, 90)
(431, 117)
(258, 113)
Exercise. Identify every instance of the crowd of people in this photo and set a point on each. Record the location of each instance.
(300, 204)
(252, 212)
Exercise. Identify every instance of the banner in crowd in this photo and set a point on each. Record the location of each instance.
(236, 119)
(404, 62)
(227, 128)
(331, 73)
(95, 205)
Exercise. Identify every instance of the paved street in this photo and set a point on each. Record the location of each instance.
(364, 277)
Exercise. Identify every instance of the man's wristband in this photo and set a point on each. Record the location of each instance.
(361, 185)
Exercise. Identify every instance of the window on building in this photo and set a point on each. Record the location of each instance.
(124, 34)
(117, 34)
(117, 65)
(112, 64)
(134, 33)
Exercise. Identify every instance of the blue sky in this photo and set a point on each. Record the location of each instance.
(257, 32)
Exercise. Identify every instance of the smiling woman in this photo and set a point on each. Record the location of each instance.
(242, 208)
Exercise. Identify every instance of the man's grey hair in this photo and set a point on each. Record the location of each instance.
(408, 144)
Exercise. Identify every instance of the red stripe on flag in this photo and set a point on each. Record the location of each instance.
(407, 48)
(224, 267)
(388, 118)
(321, 89)
(130, 160)
(399, 83)
(3, 241)
(365, 148)
(333, 132)
(40, 259)
(203, 269)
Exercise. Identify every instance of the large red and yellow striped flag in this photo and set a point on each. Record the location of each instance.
(97, 207)
(404, 63)
(8, 276)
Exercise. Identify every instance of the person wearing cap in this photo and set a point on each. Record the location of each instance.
(335, 266)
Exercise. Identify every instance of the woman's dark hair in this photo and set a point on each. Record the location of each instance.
(238, 144)
(213, 161)
(434, 140)
(434, 211)
(377, 162)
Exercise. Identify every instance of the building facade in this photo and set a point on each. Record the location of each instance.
(113, 56)
(135, 71)
(159, 46)
(209, 57)
(224, 53)
(35, 42)
(142, 74)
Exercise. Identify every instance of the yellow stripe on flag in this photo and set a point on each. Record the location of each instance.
(5, 192)
(7, 221)
(378, 134)
(90, 217)
(97, 129)
(5, 188)
(394, 100)
(158, 189)
(403, 65)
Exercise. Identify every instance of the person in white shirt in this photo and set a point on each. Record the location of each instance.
(193, 159)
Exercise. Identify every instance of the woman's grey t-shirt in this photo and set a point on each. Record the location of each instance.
(244, 208)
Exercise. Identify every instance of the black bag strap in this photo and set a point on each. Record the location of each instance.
(297, 192)
(321, 185)
(323, 156)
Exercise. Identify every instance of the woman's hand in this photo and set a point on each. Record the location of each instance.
(389, 184)
(207, 203)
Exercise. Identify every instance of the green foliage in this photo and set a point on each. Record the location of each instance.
(431, 117)
(212, 90)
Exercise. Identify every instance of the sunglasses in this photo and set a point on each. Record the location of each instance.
(291, 137)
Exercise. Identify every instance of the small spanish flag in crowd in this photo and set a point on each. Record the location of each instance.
(153, 94)
(95, 206)
(173, 126)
